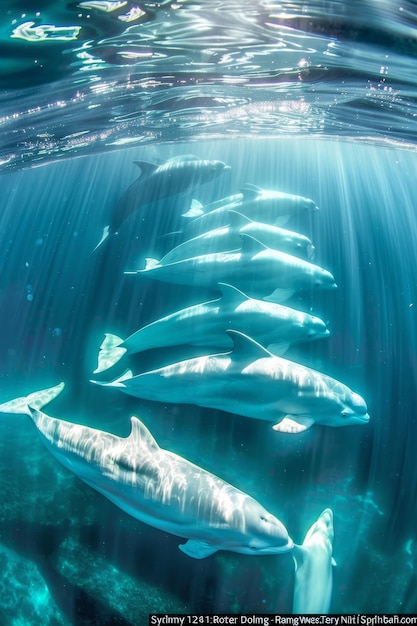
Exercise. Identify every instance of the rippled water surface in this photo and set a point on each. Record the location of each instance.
(313, 99)
(85, 77)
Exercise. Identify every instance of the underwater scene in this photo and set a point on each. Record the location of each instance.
(208, 300)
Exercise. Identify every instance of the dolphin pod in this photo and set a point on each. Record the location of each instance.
(290, 395)
(273, 325)
(157, 487)
(256, 269)
(228, 237)
(178, 176)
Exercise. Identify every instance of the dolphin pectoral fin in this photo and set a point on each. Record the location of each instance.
(197, 549)
(127, 375)
(279, 295)
(35, 400)
(109, 352)
(104, 236)
(195, 210)
(334, 562)
(291, 425)
(279, 348)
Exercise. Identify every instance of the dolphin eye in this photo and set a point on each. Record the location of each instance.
(254, 548)
(263, 518)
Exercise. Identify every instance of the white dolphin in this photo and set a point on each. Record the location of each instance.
(273, 325)
(314, 568)
(268, 206)
(253, 382)
(228, 237)
(255, 269)
(158, 487)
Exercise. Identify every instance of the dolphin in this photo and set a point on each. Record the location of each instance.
(256, 269)
(313, 568)
(228, 238)
(158, 487)
(267, 206)
(253, 382)
(273, 325)
(178, 176)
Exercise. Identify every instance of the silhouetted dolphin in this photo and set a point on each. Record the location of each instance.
(272, 325)
(180, 175)
(253, 382)
(313, 568)
(158, 487)
(256, 269)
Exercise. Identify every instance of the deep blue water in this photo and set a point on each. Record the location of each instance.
(311, 99)
(364, 233)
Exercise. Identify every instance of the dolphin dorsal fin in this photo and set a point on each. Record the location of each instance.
(232, 294)
(140, 435)
(146, 169)
(250, 191)
(237, 219)
(246, 346)
(250, 245)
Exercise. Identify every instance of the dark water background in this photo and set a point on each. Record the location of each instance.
(70, 557)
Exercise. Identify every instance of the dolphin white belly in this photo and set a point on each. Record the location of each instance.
(252, 382)
(156, 486)
(314, 568)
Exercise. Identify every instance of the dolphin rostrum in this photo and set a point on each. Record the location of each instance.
(256, 269)
(253, 382)
(273, 325)
(158, 487)
(178, 176)
(313, 568)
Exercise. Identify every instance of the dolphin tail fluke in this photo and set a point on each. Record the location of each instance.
(109, 353)
(36, 400)
(104, 236)
(115, 383)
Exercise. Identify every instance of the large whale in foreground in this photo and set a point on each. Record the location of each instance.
(256, 269)
(273, 325)
(178, 176)
(253, 382)
(314, 568)
(156, 486)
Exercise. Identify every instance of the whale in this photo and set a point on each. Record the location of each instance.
(255, 269)
(314, 568)
(263, 205)
(273, 325)
(157, 487)
(178, 176)
(228, 238)
(252, 382)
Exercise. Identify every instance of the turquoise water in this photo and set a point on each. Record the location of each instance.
(68, 555)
